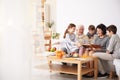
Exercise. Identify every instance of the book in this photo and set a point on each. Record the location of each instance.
(91, 46)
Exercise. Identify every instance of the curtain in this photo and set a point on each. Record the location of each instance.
(16, 21)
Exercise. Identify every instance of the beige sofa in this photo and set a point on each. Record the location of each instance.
(116, 62)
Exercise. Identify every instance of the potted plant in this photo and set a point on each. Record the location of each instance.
(55, 35)
(49, 24)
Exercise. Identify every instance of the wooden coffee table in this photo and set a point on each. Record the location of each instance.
(78, 70)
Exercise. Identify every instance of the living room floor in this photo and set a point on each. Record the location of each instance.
(40, 70)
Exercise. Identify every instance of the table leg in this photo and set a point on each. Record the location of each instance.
(79, 72)
(50, 63)
(95, 67)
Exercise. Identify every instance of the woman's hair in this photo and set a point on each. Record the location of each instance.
(69, 26)
(112, 28)
(103, 28)
(91, 27)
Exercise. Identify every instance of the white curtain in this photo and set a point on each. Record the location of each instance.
(15, 39)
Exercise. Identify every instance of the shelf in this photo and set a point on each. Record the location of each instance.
(69, 69)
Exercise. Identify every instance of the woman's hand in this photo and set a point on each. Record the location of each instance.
(91, 53)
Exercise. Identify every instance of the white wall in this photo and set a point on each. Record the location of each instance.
(53, 16)
(87, 12)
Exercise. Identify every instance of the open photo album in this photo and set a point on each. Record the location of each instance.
(91, 46)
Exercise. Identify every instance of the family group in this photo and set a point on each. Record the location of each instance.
(105, 36)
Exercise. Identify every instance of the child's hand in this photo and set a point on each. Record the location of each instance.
(78, 44)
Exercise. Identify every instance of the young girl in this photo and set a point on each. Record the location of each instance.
(69, 43)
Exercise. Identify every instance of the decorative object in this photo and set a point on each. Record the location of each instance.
(59, 54)
(49, 24)
(55, 35)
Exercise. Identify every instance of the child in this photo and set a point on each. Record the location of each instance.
(91, 32)
(69, 43)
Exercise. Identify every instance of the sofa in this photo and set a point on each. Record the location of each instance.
(116, 62)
